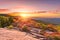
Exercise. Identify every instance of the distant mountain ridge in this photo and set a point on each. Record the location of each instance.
(49, 20)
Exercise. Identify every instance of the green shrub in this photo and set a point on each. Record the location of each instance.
(50, 38)
(25, 28)
(10, 27)
(5, 21)
(58, 28)
(53, 38)
(56, 38)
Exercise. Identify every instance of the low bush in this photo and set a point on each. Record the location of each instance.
(10, 27)
(25, 28)
(56, 38)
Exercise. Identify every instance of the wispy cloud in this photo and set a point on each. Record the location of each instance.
(4, 10)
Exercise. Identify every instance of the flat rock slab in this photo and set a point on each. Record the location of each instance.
(6, 34)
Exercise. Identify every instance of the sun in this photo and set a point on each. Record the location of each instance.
(24, 15)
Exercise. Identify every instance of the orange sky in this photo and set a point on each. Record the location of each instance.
(42, 15)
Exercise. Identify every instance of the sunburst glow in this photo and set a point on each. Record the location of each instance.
(24, 15)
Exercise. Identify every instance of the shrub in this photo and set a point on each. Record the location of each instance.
(10, 27)
(43, 26)
(5, 21)
(25, 28)
(58, 28)
(50, 38)
(56, 38)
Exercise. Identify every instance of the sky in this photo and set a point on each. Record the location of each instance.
(31, 5)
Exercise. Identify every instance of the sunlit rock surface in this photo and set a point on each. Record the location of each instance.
(6, 34)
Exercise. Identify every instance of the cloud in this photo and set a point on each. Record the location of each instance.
(1, 10)
(4, 10)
